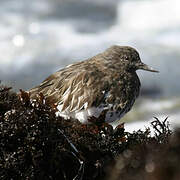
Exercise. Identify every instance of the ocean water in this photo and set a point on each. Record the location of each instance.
(39, 37)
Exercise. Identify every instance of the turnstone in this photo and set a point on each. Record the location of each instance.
(106, 83)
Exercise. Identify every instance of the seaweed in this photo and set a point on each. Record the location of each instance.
(36, 144)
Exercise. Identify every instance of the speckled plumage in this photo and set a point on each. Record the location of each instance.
(107, 81)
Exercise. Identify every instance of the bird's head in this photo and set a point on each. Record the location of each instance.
(126, 57)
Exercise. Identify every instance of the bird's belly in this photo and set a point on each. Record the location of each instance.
(84, 115)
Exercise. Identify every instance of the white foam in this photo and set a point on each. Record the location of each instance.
(173, 120)
(148, 15)
(141, 20)
(158, 105)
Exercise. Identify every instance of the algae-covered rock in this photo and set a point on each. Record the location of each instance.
(35, 144)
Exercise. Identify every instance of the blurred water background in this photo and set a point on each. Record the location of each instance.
(39, 37)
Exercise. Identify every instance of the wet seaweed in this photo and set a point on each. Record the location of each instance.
(35, 144)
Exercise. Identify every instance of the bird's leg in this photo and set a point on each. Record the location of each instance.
(99, 123)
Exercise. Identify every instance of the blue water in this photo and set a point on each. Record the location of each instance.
(39, 37)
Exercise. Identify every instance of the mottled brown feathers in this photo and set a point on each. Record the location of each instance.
(103, 79)
(72, 86)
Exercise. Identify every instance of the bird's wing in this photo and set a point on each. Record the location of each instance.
(75, 87)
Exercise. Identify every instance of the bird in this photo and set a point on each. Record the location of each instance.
(105, 83)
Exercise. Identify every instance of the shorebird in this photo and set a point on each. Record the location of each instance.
(106, 83)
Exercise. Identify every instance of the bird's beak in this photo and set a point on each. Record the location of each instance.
(145, 67)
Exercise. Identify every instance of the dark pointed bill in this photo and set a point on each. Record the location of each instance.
(146, 67)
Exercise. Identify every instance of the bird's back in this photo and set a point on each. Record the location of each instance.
(73, 86)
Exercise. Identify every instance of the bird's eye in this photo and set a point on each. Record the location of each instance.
(125, 58)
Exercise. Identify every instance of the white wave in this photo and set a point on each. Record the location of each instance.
(135, 126)
(173, 120)
(137, 22)
(151, 105)
(148, 15)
